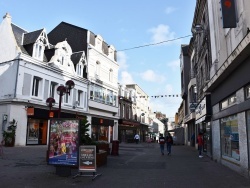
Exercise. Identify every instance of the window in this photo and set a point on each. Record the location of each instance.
(53, 87)
(230, 137)
(123, 111)
(97, 71)
(66, 98)
(38, 49)
(111, 75)
(79, 69)
(115, 99)
(247, 91)
(80, 98)
(36, 86)
(228, 101)
(248, 135)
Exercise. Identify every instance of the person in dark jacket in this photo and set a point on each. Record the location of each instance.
(162, 143)
(169, 142)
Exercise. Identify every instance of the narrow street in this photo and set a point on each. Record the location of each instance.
(138, 165)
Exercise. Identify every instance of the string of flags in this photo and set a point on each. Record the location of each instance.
(157, 96)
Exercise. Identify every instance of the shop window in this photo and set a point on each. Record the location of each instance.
(248, 135)
(37, 131)
(230, 137)
(100, 132)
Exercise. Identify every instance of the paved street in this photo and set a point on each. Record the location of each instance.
(138, 165)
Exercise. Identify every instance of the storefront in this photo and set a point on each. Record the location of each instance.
(143, 132)
(127, 130)
(37, 125)
(203, 123)
(102, 129)
(230, 138)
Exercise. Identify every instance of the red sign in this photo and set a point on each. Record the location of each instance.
(30, 111)
(51, 114)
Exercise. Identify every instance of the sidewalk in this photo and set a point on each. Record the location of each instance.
(138, 165)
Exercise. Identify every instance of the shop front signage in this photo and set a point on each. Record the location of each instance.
(30, 111)
(201, 109)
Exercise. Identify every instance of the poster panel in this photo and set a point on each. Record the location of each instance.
(87, 158)
(63, 142)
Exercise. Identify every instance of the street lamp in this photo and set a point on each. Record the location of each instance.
(61, 90)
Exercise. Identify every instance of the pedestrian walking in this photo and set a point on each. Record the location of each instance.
(137, 138)
(162, 143)
(200, 144)
(169, 142)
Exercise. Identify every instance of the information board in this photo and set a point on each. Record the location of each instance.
(87, 158)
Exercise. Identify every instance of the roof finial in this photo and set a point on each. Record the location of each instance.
(7, 15)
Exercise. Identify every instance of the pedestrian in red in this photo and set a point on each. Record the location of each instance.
(200, 144)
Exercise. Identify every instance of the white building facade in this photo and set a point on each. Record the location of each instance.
(29, 75)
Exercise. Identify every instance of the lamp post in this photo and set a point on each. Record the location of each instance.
(61, 90)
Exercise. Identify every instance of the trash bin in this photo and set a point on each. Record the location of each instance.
(115, 147)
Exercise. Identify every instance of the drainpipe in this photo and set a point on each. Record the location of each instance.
(18, 63)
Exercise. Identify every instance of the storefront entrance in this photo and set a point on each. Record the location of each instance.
(37, 131)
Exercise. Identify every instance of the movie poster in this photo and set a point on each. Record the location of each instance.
(63, 142)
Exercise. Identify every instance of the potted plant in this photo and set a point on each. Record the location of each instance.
(10, 134)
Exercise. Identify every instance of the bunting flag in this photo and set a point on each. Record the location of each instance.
(158, 96)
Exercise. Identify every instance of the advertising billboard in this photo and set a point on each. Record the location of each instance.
(63, 142)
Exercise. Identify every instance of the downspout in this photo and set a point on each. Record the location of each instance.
(18, 63)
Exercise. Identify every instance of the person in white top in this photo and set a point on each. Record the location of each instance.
(137, 138)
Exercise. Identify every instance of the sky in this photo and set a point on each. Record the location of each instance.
(146, 34)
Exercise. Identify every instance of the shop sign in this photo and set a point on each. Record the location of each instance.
(192, 106)
(30, 111)
(201, 109)
(87, 158)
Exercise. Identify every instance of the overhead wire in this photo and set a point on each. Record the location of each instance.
(152, 44)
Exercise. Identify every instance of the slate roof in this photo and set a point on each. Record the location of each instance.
(75, 36)
(18, 33)
(30, 38)
(75, 57)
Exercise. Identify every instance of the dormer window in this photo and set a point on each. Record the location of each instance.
(38, 50)
(39, 46)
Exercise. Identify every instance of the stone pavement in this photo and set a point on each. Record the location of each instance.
(138, 165)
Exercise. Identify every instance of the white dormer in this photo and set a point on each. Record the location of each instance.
(61, 58)
(98, 42)
(39, 46)
(111, 53)
(80, 66)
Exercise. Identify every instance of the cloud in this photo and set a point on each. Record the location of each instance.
(151, 76)
(174, 65)
(161, 33)
(122, 60)
(169, 10)
(126, 78)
